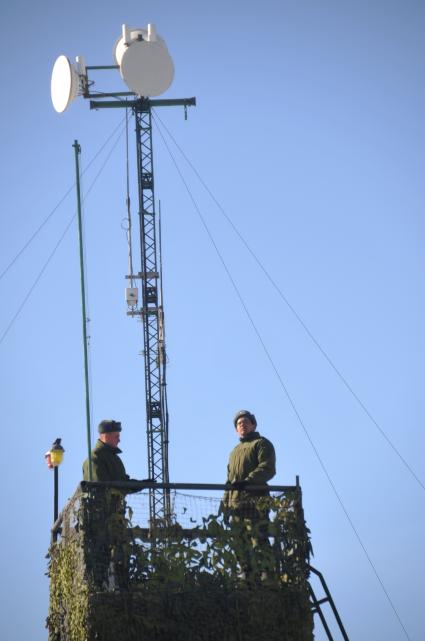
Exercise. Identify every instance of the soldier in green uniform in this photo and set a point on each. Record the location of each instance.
(111, 533)
(251, 462)
(106, 464)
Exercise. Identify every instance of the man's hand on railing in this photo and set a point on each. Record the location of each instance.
(239, 485)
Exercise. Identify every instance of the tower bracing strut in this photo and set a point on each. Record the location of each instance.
(152, 318)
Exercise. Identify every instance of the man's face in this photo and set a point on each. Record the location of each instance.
(244, 426)
(111, 438)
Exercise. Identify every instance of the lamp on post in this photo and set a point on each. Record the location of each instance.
(54, 458)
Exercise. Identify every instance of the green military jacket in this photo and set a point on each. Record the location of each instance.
(252, 460)
(106, 464)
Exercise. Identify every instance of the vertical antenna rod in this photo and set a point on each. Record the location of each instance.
(162, 351)
(127, 202)
(77, 150)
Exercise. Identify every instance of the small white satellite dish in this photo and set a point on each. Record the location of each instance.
(145, 64)
(65, 83)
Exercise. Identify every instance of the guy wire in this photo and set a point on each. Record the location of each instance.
(293, 310)
(61, 238)
(66, 194)
(285, 389)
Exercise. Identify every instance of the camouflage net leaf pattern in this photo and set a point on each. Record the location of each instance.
(207, 574)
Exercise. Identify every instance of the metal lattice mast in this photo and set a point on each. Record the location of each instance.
(151, 309)
(147, 69)
(152, 318)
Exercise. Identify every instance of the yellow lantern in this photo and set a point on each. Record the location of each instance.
(56, 453)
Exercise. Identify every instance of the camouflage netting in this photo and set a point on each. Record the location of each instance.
(204, 576)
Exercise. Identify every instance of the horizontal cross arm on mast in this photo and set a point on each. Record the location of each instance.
(142, 103)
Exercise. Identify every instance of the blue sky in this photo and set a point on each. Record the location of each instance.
(309, 131)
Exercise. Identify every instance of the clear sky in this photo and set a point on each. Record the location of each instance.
(309, 132)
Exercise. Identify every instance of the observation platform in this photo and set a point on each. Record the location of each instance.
(204, 574)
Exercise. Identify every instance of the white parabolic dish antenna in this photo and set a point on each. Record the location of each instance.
(64, 84)
(145, 64)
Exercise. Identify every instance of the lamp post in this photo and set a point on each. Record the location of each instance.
(54, 458)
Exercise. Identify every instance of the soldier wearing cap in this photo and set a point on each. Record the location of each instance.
(251, 462)
(111, 560)
(106, 464)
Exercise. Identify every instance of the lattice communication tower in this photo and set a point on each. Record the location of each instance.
(146, 67)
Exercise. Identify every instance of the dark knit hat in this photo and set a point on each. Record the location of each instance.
(242, 413)
(108, 425)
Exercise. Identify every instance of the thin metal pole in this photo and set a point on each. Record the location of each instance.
(163, 358)
(55, 503)
(77, 150)
(56, 495)
(127, 200)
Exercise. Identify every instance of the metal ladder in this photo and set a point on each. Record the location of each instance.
(316, 606)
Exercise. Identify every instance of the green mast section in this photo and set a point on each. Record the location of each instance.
(77, 151)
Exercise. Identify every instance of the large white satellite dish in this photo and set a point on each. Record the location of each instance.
(147, 68)
(145, 64)
(65, 83)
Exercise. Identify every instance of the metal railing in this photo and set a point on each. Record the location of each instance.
(106, 549)
(273, 514)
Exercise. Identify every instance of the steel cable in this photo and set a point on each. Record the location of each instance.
(285, 389)
(296, 314)
(43, 269)
(56, 207)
